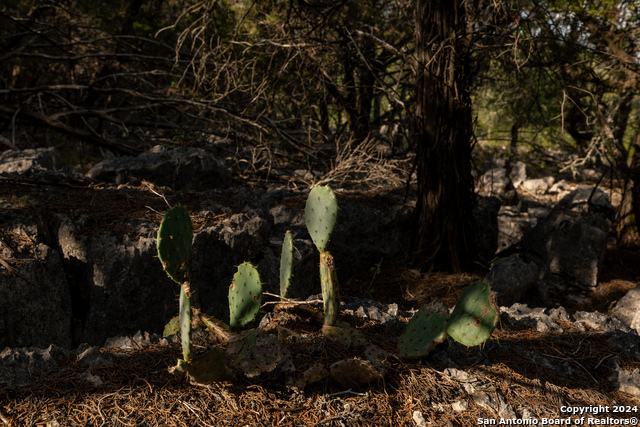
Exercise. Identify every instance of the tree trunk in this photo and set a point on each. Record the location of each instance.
(443, 132)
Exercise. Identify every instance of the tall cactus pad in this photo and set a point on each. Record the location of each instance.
(320, 215)
(475, 316)
(330, 290)
(185, 322)
(286, 264)
(426, 329)
(245, 295)
(174, 241)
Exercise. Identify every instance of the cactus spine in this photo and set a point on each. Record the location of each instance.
(245, 295)
(286, 264)
(320, 216)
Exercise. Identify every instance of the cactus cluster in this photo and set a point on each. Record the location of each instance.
(321, 212)
(471, 323)
(174, 242)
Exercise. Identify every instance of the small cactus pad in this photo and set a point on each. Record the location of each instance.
(205, 368)
(174, 241)
(426, 329)
(320, 215)
(255, 352)
(330, 290)
(185, 322)
(171, 328)
(345, 335)
(286, 264)
(216, 327)
(475, 316)
(245, 295)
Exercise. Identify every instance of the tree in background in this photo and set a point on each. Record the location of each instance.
(443, 133)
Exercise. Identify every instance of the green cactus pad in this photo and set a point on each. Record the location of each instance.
(286, 264)
(245, 295)
(174, 241)
(320, 215)
(185, 322)
(255, 352)
(345, 335)
(475, 316)
(205, 368)
(426, 329)
(171, 328)
(330, 290)
(219, 329)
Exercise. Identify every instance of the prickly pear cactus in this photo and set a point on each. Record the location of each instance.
(426, 329)
(174, 241)
(255, 352)
(171, 328)
(320, 215)
(185, 322)
(345, 335)
(286, 264)
(475, 316)
(205, 368)
(245, 295)
(330, 290)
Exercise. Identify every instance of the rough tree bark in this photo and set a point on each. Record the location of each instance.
(443, 132)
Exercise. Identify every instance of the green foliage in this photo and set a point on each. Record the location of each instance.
(330, 289)
(471, 323)
(475, 316)
(185, 322)
(206, 368)
(245, 295)
(320, 215)
(175, 236)
(286, 264)
(344, 334)
(172, 327)
(426, 329)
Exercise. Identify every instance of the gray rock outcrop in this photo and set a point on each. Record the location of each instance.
(571, 241)
(627, 309)
(29, 161)
(35, 302)
(495, 182)
(180, 169)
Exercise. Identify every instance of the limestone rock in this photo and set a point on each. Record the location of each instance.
(180, 168)
(627, 309)
(495, 182)
(512, 278)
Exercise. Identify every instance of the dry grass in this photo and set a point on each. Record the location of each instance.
(138, 390)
